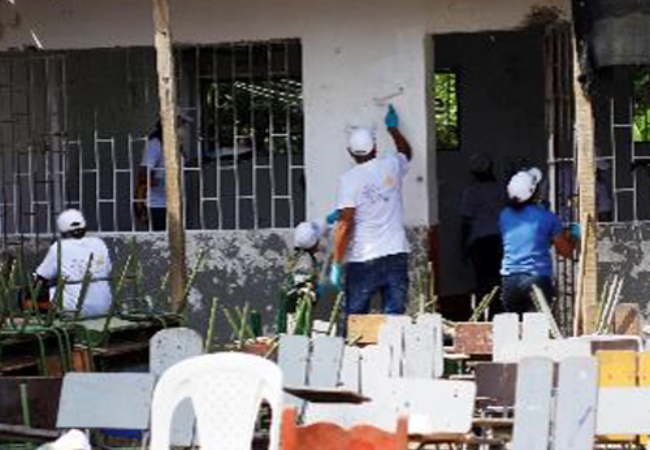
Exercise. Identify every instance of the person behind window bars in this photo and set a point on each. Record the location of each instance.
(80, 256)
(150, 193)
(528, 231)
(604, 202)
(480, 205)
(370, 230)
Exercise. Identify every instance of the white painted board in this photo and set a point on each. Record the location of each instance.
(391, 336)
(434, 322)
(351, 368)
(172, 345)
(106, 400)
(435, 406)
(533, 404)
(293, 358)
(375, 369)
(623, 410)
(418, 351)
(325, 362)
(505, 332)
(166, 348)
(535, 328)
(576, 403)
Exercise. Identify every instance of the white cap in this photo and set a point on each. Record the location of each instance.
(306, 235)
(72, 440)
(523, 184)
(536, 174)
(362, 141)
(70, 220)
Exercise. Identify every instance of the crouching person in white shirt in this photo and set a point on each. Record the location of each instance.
(77, 249)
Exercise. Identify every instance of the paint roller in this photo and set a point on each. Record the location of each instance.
(385, 100)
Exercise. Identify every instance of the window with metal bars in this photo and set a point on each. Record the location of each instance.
(249, 162)
(641, 104)
(74, 126)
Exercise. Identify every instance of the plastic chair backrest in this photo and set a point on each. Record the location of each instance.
(171, 346)
(226, 390)
(166, 348)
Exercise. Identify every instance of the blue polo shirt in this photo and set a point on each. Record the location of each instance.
(527, 235)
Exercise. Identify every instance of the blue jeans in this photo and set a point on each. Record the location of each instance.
(517, 291)
(387, 275)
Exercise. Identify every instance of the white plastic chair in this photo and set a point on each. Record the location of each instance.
(226, 390)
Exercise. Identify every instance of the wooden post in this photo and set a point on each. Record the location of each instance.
(173, 163)
(587, 293)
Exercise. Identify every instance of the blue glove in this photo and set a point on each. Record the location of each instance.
(336, 276)
(333, 217)
(392, 119)
(575, 231)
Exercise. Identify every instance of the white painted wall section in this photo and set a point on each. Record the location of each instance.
(353, 52)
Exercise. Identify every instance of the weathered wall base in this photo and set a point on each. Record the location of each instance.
(239, 267)
(624, 250)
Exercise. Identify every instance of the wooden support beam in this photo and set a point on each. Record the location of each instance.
(173, 163)
(587, 292)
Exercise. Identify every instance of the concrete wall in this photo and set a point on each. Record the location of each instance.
(353, 52)
(624, 250)
(239, 267)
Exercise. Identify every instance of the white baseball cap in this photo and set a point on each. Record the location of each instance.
(73, 439)
(70, 220)
(523, 184)
(362, 141)
(306, 235)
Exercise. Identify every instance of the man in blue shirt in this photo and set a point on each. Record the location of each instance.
(528, 230)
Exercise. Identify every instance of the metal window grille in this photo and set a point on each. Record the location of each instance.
(558, 77)
(623, 144)
(32, 123)
(247, 160)
(74, 126)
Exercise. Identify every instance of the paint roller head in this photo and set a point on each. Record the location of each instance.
(385, 100)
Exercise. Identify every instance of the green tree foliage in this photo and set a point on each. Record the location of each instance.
(447, 113)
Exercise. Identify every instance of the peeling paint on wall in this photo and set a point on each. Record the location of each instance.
(239, 267)
(624, 250)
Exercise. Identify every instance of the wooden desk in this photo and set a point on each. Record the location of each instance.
(326, 395)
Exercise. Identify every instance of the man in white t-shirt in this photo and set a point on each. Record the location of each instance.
(151, 194)
(76, 251)
(370, 231)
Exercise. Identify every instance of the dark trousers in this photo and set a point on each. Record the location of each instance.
(486, 254)
(387, 275)
(158, 218)
(517, 292)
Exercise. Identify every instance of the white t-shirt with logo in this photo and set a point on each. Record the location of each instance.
(75, 254)
(154, 160)
(374, 190)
